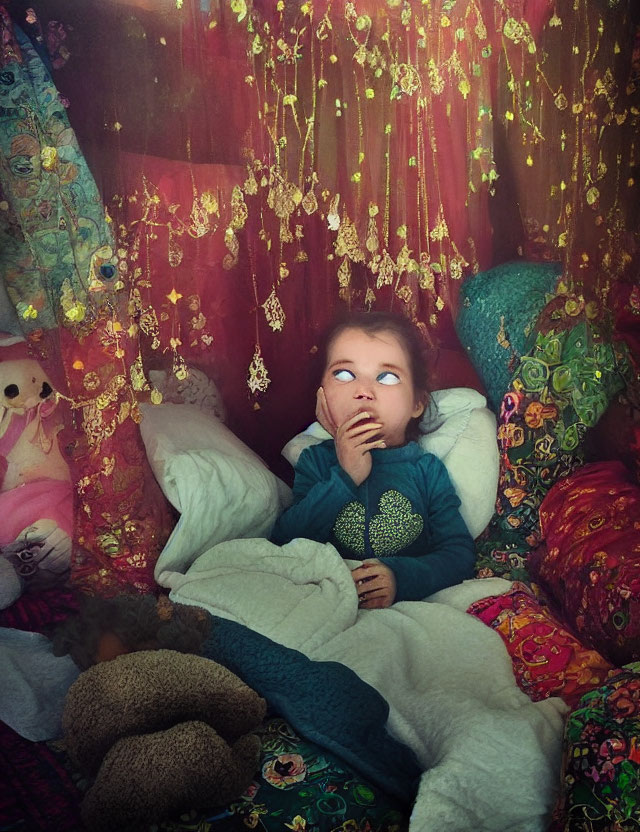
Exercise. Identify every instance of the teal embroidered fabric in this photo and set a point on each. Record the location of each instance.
(498, 309)
(54, 239)
(303, 788)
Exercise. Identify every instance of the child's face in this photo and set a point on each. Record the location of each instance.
(371, 373)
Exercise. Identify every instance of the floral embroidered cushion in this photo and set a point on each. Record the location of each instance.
(590, 563)
(561, 388)
(601, 759)
(548, 660)
(498, 310)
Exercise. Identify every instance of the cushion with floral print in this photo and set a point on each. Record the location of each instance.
(548, 660)
(498, 310)
(590, 563)
(561, 388)
(601, 759)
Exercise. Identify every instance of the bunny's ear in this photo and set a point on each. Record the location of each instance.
(12, 347)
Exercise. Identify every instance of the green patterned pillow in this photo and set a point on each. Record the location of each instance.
(498, 309)
(601, 759)
(560, 388)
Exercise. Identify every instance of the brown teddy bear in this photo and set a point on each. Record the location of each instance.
(162, 731)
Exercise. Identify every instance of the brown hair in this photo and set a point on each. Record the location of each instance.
(141, 622)
(372, 323)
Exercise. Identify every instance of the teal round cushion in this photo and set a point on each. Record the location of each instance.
(498, 309)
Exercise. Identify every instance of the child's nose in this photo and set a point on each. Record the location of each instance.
(364, 391)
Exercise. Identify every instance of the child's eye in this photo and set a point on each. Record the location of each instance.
(343, 375)
(388, 378)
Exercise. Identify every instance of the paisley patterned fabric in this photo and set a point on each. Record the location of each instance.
(590, 566)
(561, 387)
(601, 786)
(390, 531)
(54, 220)
(64, 275)
(548, 660)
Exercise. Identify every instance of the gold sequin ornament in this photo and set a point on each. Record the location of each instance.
(285, 232)
(344, 273)
(310, 202)
(136, 373)
(74, 310)
(385, 270)
(258, 379)
(175, 252)
(94, 427)
(436, 81)
(239, 210)
(440, 229)
(274, 312)
(231, 242)
(91, 381)
(501, 337)
(179, 367)
(405, 294)
(372, 242)
(333, 217)
(200, 222)
(347, 242)
(283, 197)
(250, 185)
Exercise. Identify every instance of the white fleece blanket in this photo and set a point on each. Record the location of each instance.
(491, 756)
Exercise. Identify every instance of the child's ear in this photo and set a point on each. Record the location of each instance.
(420, 406)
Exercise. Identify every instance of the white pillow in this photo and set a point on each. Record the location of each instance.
(462, 433)
(222, 489)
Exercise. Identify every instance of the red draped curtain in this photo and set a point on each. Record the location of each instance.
(264, 163)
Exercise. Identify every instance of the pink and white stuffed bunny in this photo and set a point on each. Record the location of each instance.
(36, 498)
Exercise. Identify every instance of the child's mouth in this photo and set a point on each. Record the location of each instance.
(373, 420)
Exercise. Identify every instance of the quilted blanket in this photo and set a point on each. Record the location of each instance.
(490, 757)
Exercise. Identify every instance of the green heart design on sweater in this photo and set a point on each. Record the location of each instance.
(390, 531)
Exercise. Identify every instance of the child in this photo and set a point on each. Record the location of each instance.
(370, 491)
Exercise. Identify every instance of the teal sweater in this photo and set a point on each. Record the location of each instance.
(406, 514)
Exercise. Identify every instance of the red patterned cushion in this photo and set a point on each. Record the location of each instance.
(590, 565)
(547, 659)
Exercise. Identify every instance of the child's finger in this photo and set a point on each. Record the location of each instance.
(375, 600)
(359, 576)
(359, 416)
(374, 585)
(375, 603)
(369, 446)
(359, 429)
(359, 439)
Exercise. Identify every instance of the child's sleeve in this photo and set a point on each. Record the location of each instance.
(450, 555)
(320, 489)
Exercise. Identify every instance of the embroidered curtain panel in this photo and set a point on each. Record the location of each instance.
(261, 164)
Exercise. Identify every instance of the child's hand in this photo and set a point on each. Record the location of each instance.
(323, 414)
(376, 585)
(354, 439)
